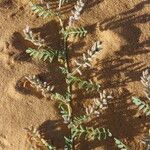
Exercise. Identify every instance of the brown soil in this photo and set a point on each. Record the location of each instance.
(124, 28)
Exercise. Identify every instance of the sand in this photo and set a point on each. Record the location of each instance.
(124, 28)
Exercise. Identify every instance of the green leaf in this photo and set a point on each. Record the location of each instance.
(42, 11)
(79, 120)
(142, 105)
(75, 32)
(89, 86)
(120, 145)
(68, 143)
(44, 54)
(90, 133)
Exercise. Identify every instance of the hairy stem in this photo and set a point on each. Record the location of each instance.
(69, 88)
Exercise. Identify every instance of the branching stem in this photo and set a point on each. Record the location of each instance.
(66, 63)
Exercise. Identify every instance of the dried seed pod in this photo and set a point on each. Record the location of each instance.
(77, 12)
(99, 104)
(35, 39)
(36, 137)
(87, 58)
(145, 80)
(44, 87)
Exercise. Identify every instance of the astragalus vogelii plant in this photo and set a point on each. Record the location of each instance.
(144, 106)
(76, 124)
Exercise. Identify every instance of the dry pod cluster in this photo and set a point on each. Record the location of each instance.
(145, 79)
(44, 87)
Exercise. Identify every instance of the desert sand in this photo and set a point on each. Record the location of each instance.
(124, 28)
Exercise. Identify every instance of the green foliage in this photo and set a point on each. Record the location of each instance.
(63, 70)
(59, 97)
(120, 145)
(142, 105)
(65, 108)
(64, 113)
(75, 32)
(44, 54)
(83, 84)
(68, 143)
(78, 120)
(42, 12)
(88, 85)
(90, 133)
(50, 147)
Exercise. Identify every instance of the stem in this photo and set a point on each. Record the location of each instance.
(67, 105)
(66, 60)
(69, 88)
(67, 66)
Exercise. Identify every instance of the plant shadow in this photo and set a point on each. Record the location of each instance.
(53, 132)
(19, 44)
(115, 72)
(128, 17)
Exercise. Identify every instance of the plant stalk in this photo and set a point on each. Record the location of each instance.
(69, 88)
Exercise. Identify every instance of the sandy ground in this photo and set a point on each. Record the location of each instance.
(124, 28)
